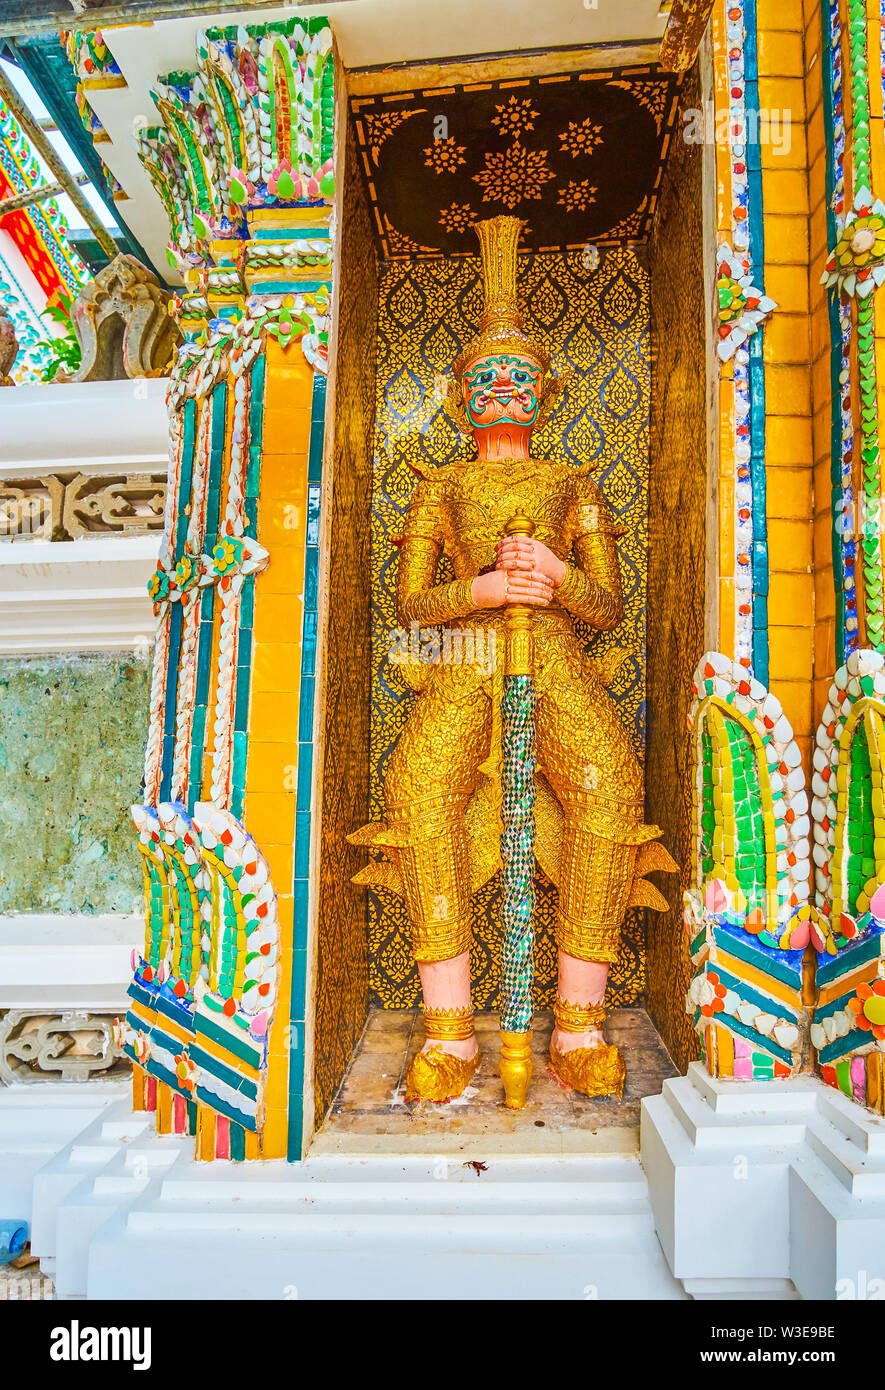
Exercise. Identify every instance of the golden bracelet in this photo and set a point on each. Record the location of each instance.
(449, 1025)
(577, 1018)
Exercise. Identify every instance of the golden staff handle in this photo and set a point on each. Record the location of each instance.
(518, 616)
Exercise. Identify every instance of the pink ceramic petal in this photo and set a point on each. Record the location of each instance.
(714, 896)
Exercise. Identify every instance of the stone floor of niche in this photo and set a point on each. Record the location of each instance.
(370, 1103)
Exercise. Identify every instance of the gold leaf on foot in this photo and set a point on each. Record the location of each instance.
(594, 1071)
(438, 1076)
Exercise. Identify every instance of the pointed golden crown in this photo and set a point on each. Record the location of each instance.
(500, 326)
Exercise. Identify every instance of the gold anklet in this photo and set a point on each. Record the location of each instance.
(577, 1018)
(448, 1025)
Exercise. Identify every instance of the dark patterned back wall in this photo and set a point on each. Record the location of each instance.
(596, 324)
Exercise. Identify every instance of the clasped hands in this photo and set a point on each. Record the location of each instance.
(526, 571)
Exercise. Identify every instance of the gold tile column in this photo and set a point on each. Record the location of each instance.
(789, 383)
(822, 553)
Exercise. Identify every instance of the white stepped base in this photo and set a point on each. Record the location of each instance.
(766, 1189)
(121, 1213)
(741, 1290)
(105, 1166)
(38, 1120)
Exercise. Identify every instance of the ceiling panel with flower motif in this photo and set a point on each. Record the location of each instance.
(578, 155)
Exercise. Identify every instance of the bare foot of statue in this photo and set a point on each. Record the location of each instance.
(450, 1055)
(579, 1055)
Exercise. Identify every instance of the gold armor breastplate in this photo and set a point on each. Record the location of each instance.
(485, 496)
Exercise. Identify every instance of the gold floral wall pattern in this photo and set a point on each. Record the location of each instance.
(579, 155)
(341, 990)
(595, 323)
(677, 554)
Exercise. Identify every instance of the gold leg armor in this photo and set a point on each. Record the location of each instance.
(594, 1071)
(433, 868)
(589, 762)
(596, 879)
(431, 775)
(437, 1075)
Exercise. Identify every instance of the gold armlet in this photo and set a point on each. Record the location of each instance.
(462, 597)
(576, 1018)
(585, 596)
(448, 1025)
(572, 580)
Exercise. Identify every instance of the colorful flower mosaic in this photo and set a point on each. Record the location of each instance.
(868, 1008)
(227, 555)
(857, 263)
(158, 586)
(742, 307)
(187, 572)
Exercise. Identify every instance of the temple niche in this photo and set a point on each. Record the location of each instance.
(512, 793)
(588, 302)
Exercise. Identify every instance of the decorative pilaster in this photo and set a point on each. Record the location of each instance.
(854, 271)
(243, 164)
(742, 308)
(748, 915)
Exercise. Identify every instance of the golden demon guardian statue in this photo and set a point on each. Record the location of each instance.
(443, 782)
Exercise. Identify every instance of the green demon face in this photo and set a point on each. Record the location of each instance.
(501, 390)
